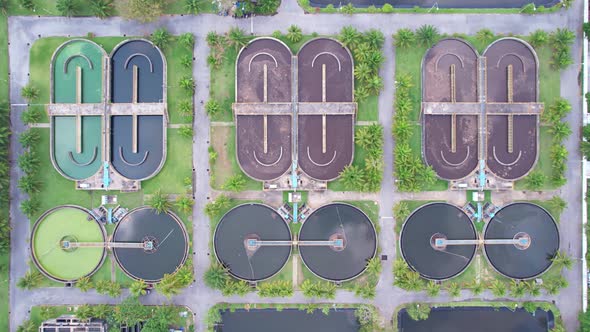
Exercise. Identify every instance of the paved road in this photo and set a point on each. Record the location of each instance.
(23, 31)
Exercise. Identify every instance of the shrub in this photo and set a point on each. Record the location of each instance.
(31, 279)
(185, 107)
(330, 8)
(427, 35)
(84, 284)
(222, 202)
(29, 138)
(186, 131)
(30, 207)
(191, 6)
(404, 38)
(187, 83)
(186, 61)
(184, 203)
(535, 180)
(529, 8)
(387, 8)
(28, 4)
(538, 38)
(212, 107)
(347, 9)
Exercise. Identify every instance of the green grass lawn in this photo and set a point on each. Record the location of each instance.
(178, 166)
(368, 109)
(4, 287)
(226, 165)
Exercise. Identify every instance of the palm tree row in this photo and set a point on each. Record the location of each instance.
(411, 173)
(367, 178)
(366, 50)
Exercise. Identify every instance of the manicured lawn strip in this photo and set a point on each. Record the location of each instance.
(220, 178)
(222, 87)
(46, 8)
(549, 91)
(368, 109)
(174, 53)
(178, 166)
(178, 7)
(360, 154)
(4, 287)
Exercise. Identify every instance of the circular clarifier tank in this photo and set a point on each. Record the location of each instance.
(53, 243)
(244, 224)
(350, 230)
(164, 244)
(522, 221)
(419, 235)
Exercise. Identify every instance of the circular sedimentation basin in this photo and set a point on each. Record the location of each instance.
(67, 224)
(518, 220)
(341, 222)
(419, 234)
(167, 238)
(251, 222)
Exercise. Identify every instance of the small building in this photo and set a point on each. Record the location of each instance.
(71, 323)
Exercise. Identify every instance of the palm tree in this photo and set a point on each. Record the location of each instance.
(349, 36)
(361, 93)
(498, 288)
(535, 180)
(31, 279)
(517, 288)
(533, 288)
(213, 39)
(558, 204)
(562, 260)
(362, 71)
(137, 288)
(216, 276)
(432, 288)
(237, 38)
(362, 52)
(352, 177)
(188, 84)
(212, 107)
(28, 162)
(418, 311)
(30, 92)
(161, 37)
(31, 115)
(294, 34)
(374, 266)
(427, 35)
(84, 284)
(561, 59)
(159, 202)
(562, 37)
(84, 312)
(560, 131)
(102, 8)
(184, 275)
(29, 184)
(187, 40)
(67, 7)
(485, 35)
(192, 6)
(374, 38)
(538, 38)
(374, 60)
(26, 139)
(186, 131)
(348, 9)
(477, 288)
(402, 129)
(27, 326)
(235, 183)
(375, 84)
(404, 38)
(454, 289)
(30, 206)
(184, 203)
(101, 311)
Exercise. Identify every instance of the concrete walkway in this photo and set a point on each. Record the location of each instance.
(23, 31)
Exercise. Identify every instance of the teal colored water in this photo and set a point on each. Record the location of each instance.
(77, 165)
(82, 54)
